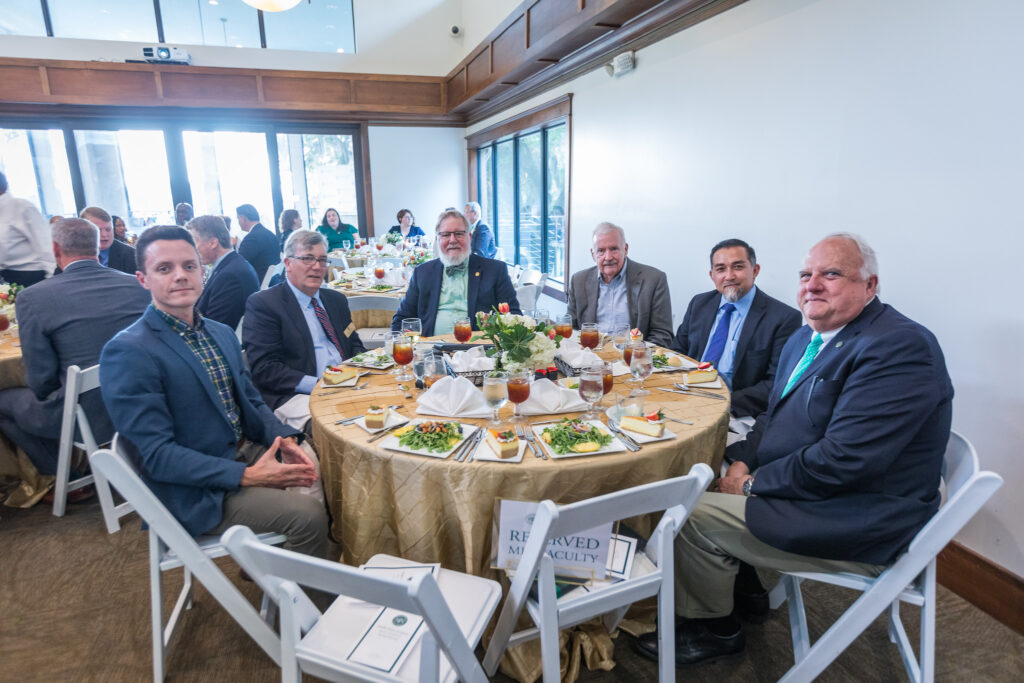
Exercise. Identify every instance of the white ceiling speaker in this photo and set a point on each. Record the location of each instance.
(621, 64)
(272, 5)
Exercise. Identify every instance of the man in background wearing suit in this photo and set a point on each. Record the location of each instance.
(113, 253)
(294, 330)
(65, 321)
(738, 327)
(457, 284)
(178, 391)
(618, 292)
(259, 246)
(482, 236)
(841, 471)
(231, 279)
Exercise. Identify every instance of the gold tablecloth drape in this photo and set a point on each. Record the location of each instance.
(17, 474)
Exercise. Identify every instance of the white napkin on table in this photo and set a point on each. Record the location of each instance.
(471, 359)
(453, 397)
(394, 277)
(577, 356)
(547, 398)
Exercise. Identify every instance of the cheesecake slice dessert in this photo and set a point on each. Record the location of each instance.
(704, 373)
(336, 375)
(376, 417)
(505, 444)
(652, 424)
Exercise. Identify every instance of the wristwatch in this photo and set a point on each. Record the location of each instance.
(747, 484)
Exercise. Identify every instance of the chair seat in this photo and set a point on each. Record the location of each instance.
(373, 337)
(213, 548)
(323, 651)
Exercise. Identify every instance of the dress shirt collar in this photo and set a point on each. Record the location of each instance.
(618, 280)
(179, 325)
(218, 261)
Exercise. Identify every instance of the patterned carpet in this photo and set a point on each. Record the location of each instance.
(75, 607)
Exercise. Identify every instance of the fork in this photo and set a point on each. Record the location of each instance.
(524, 433)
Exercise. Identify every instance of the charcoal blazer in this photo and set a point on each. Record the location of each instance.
(261, 249)
(121, 257)
(488, 286)
(847, 465)
(278, 344)
(163, 401)
(650, 303)
(768, 325)
(224, 294)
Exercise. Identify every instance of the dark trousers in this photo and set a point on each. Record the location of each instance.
(24, 423)
(23, 277)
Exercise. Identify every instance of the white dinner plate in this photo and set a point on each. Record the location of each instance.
(394, 418)
(484, 452)
(687, 363)
(369, 355)
(390, 442)
(644, 438)
(615, 446)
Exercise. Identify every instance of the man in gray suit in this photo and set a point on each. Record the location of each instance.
(65, 321)
(618, 292)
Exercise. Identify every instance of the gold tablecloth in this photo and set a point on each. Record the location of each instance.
(17, 474)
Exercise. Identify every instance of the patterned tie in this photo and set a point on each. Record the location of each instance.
(809, 355)
(451, 271)
(713, 353)
(325, 323)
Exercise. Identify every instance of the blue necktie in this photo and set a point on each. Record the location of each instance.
(714, 351)
(810, 353)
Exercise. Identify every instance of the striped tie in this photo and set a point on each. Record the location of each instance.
(325, 323)
(809, 354)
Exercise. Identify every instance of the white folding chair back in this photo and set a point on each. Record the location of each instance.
(76, 383)
(514, 272)
(170, 546)
(910, 579)
(677, 497)
(238, 329)
(373, 337)
(455, 608)
(527, 296)
(338, 261)
(531, 277)
(271, 272)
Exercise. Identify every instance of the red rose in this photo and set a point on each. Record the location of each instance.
(503, 308)
(551, 333)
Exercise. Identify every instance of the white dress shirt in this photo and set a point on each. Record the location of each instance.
(25, 242)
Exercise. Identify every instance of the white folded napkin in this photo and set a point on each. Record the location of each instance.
(619, 369)
(577, 356)
(548, 398)
(472, 359)
(453, 397)
(394, 277)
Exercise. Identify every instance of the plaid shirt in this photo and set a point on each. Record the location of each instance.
(206, 350)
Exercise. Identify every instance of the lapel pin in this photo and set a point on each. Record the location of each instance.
(838, 344)
(477, 273)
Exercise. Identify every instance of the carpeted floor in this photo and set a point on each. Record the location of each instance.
(75, 607)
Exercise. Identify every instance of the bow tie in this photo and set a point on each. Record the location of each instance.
(455, 270)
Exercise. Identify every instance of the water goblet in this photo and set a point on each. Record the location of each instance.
(590, 337)
(591, 388)
(402, 353)
(412, 327)
(496, 393)
(434, 368)
(641, 365)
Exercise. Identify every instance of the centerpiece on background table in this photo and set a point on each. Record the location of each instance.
(520, 342)
(393, 238)
(417, 256)
(8, 293)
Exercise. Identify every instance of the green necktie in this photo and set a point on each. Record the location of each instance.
(809, 354)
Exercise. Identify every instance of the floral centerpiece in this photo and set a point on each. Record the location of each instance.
(417, 257)
(393, 238)
(520, 342)
(8, 293)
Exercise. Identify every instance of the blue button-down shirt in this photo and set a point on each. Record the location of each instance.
(739, 316)
(613, 302)
(105, 256)
(326, 353)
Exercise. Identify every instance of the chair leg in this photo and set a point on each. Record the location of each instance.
(187, 588)
(797, 618)
(60, 486)
(666, 632)
(156, 606)
(927, 644)
(549, 652)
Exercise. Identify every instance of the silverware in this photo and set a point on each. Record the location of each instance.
(682, 422)
(470, 446)
(531, 442)
(546, 422)
(381, 435)
(695, 390)
(353, 387)
(626, 440)
(350, 420)
(460, 450)
(476, 445)
(692, 393)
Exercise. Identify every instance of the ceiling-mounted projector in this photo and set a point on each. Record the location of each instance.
(160, 54)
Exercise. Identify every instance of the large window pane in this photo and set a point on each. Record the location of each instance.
(558, 181)
(531, 197)
(36, 165)
(125, 172)
(226, 169)
(486, 182)
(132, 20)
(323, 26)
(505, 230)
(318, 172)
(22, 18)
(229, 23)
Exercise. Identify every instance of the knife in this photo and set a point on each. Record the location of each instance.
(690, 393)
(694, 390)
(626, 440)
(470, 452)
(460, 450)
(528, 435)
(682, 422)
(387, 431)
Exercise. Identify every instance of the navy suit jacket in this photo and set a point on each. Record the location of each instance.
(847, 465)
(224, 294)
(162, 400)
(121, 257)
(489, 285)
(482, 243)
(766, 329)
(278, 343)
(261, 249)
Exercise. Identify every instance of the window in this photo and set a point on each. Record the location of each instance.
(36, 165)
(521, 180)
(323, 26)
(22, 18)
(318, 172)
(130, 20)
(227, 24)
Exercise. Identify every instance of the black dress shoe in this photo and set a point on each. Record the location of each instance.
(694, 643)
(751, 606)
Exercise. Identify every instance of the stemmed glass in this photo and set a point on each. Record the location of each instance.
(433, 369)
(378, 271)
(412, 327)
(402, 353)
(591, 388)
(620, 339)
(496, 393)
(419, 358)
(519, 390)
(641, 364)
(389, 349)
(609, 379)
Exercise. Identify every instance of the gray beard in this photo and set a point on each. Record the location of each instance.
(453, 261)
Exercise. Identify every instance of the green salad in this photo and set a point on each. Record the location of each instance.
(660, 360)
(381, 287)
(575, 436)
(370, 359)
(432, 436)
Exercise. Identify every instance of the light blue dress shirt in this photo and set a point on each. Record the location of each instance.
(613, 302)
(739, 316)
(104, 257)
(326, 353)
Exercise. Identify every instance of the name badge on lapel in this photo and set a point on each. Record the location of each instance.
(350, 329)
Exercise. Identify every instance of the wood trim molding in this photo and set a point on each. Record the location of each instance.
(989, 587)
(534, 118)
(364, 142)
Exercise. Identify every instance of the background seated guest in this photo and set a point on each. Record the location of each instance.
(405, 225)
(177, 389)
(619, 292)
(455, 285)
(259, 246)
(842, 470)
(65, 321)
(231, 279)
(336, 232)
(482, 236)
(289, 221)
(120, 229)
(294, 330)
(738, 327)
(25, 254)
(113, 254)
(183, 213)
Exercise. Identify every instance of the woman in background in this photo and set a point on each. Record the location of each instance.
(406, 225)
(287, 223)
(120, 229)
(335, 231)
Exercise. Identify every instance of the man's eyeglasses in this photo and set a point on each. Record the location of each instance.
(458, 234)
(309, 260)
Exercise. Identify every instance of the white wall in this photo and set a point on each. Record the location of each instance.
(420, 169)
(783, 120)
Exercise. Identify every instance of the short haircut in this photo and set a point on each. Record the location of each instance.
(605, 226)
(451, 213)
(95, 212)
(302, 238)
(402, 213)
(76, 237)
(160, 232)
(249, 211)
(210, 227)
(867, 254)
(287, 219)
(729, 244)
(474, 206)
(3, 183)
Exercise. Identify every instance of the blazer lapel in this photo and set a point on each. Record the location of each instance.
(754, 315)
(473, 285)
(634, 286)
(298, 322)
(591, 290)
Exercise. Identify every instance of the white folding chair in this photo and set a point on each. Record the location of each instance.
(910, 579)
(373, 337)
(514, 273)
(531, 277)
(338, 261)
(238, 329)
(170, 547)
(527, 296)
(455, 607)
(271, 272)
(677, 497)
(77, 382)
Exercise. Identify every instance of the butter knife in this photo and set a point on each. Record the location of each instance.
(460, 450)
(693, 394)
(626, 440)
(682, 422)
(387, 431)
(528, 435)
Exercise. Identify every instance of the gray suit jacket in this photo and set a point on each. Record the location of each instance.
(650, 304)
(65, 321)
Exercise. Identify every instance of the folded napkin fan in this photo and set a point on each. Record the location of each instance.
(453, 397)
(548, 398)
(577, 356)
(472, 359)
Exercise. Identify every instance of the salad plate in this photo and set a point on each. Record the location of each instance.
(433, 438)
(568, 435)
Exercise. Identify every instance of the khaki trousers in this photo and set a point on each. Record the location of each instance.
(708, 549)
